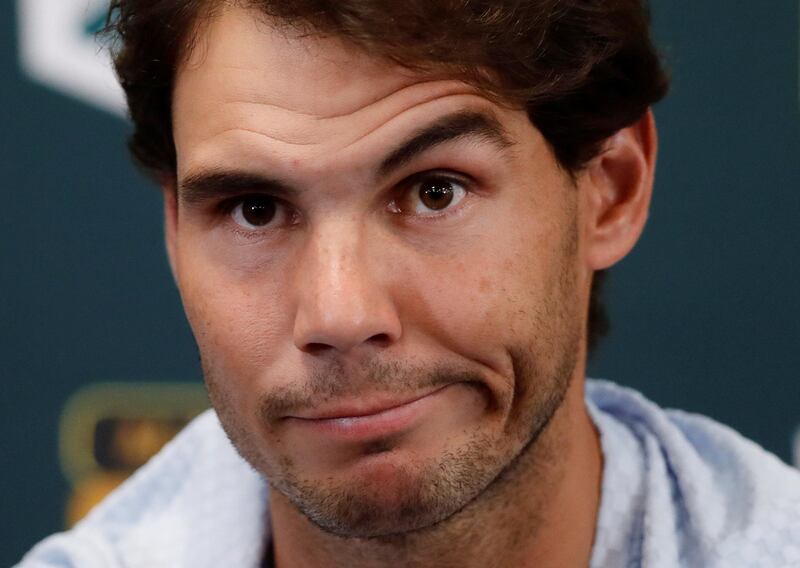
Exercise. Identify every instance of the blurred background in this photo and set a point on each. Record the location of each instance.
(98, 367)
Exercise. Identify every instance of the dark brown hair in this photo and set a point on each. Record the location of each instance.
(583, 69)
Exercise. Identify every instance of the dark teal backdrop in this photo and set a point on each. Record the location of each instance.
(705, 312)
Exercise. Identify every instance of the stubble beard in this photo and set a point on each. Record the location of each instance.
(425, 495)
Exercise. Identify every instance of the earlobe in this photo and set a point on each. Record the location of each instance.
(170, 195)
(618, 187)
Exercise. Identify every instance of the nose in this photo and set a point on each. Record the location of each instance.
(343, 299)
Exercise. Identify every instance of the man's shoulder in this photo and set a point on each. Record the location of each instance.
(725, 496)
(196, 498)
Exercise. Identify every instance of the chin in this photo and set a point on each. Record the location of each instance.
(388, 494)
(379, 504)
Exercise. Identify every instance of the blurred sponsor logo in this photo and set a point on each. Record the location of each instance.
(109, 430)
(58, 48)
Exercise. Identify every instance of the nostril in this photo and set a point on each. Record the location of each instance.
(315, 348)
(381, 339)
(343, 342)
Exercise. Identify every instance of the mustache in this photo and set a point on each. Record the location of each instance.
(375, 378)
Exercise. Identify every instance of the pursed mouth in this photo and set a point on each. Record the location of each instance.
(362, 408)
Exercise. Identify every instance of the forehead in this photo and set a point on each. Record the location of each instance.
(240, 48)
(247, 77)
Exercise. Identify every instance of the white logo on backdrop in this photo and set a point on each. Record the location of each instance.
(58, 48)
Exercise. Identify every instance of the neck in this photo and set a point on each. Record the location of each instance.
(541, 512)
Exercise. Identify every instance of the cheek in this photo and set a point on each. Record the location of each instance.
(469, 303)
(498, 290)
(237, 318)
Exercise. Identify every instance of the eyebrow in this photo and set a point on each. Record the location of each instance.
(452, 127)
(218, 183)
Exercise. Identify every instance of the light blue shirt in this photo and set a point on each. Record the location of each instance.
(678, 490)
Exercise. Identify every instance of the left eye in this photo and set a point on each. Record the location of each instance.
(254, 212)
(434, 194)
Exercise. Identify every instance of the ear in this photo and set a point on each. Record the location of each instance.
(618, 185)
(170, 194)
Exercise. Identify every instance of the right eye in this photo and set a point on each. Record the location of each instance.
(254, 212)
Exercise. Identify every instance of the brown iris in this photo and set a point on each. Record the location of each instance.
(258, 211)
(436, 194)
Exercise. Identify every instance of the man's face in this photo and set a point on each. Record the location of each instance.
(381, 271)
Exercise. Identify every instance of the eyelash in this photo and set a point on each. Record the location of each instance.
(226, 207)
